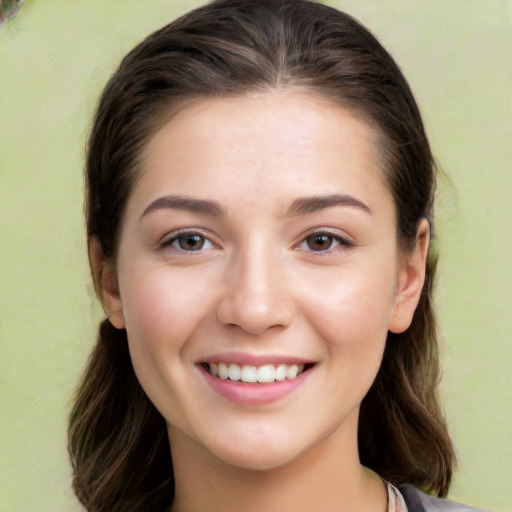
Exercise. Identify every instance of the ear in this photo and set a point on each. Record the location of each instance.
(106, 284)
(410, 280)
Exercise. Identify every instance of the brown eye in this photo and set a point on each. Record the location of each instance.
(188, 241)
(320, 242)
(191, 242)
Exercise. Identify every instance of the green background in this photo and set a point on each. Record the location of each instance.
(55, 56)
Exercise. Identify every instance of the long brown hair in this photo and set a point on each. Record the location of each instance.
(117, 440)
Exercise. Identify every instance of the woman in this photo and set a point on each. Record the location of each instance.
(259, 212)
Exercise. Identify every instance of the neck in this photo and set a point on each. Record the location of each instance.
(328, 477)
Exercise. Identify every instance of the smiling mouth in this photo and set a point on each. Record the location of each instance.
(250, 374)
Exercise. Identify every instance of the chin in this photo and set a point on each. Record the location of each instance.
(258, 459)
(267, 450)
(252, 450)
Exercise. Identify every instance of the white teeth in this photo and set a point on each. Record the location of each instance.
(281, 372)
(250, 374)
(266, 373)
(291, 373)
(223, 371)
(234, 372)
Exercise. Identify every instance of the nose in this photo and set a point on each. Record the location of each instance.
(256, 297)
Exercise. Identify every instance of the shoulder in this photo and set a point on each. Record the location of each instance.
(418, 501)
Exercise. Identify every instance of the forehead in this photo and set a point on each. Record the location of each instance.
(262, 146)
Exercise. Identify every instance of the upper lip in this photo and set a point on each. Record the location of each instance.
(254, 359)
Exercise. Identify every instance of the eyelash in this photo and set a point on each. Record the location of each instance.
(335, 238)
(173, 241)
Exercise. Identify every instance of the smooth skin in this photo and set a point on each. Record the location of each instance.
(294, 255)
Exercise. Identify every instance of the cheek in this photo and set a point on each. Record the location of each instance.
(162, 310)
(354, 301)
(351, 313)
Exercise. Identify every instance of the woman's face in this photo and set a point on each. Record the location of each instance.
(260, 245)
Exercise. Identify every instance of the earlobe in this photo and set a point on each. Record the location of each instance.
(410, 281)
(106, 284)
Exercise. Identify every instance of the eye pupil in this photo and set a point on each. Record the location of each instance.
(319, 242)
(191, 242)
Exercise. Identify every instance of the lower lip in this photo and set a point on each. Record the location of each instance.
(253, 393)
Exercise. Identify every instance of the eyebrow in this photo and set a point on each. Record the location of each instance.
(300, 206)
(304, 205)
(177, 202)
